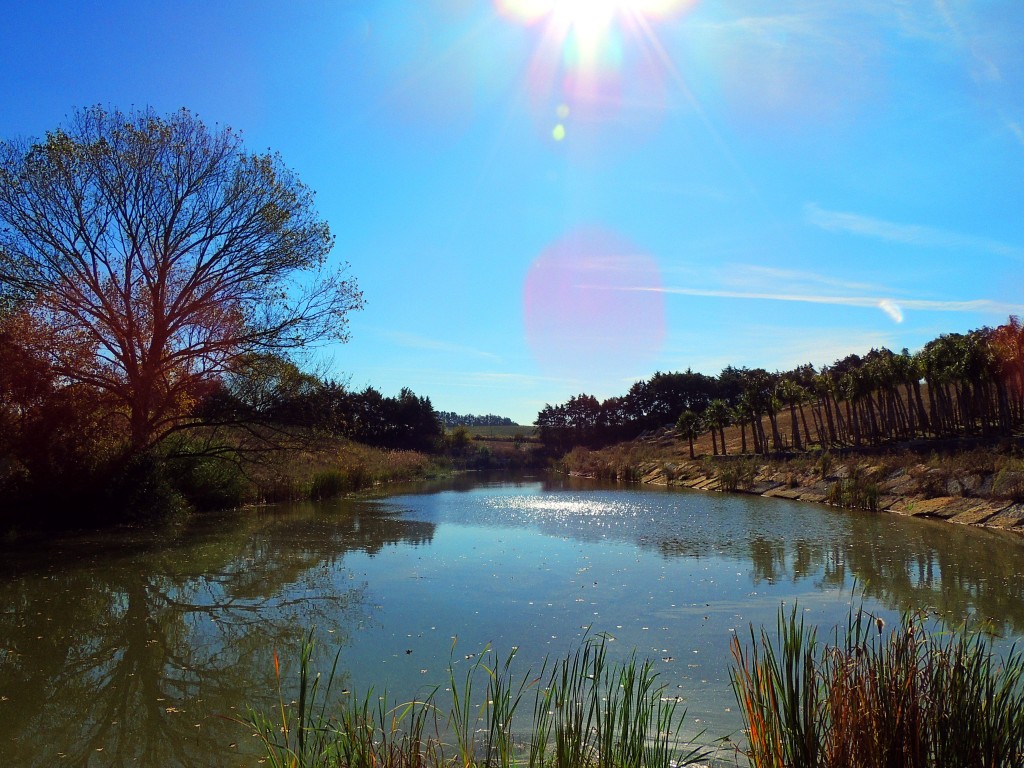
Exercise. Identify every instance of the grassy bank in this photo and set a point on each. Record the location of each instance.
(980, 486)
(911, 696)
(202, 474)
(335, 467)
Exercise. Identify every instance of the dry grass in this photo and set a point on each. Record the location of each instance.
(331, 468)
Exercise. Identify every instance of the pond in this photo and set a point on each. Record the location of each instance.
(144, 647)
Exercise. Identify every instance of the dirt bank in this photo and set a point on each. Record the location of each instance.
(981, 487)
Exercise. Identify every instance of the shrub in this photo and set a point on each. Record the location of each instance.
(331, 483)
(853, 492)
(909, 697)
(211, 482)
(737, 475)
(1009, 484)
(825, 463)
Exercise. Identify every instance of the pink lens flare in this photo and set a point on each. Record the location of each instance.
(592, 304)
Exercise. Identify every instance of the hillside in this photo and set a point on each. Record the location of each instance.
(978, 485)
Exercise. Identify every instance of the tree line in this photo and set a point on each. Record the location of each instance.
(452, 419)
(275, 391)
(958, 385)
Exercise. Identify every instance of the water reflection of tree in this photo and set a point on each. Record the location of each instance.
(906, 565)
(134, 655)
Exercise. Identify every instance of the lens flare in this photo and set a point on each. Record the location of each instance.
(595, 55)
(592, 305)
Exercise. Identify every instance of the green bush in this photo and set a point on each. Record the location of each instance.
(211, 482)
(138, 489)
(328, 484)
(853, 492)
(737, 475)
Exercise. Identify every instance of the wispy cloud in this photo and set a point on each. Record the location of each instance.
(890, 305)
(741, 274)
(911, 234)
(1016, 129)
(985, 68)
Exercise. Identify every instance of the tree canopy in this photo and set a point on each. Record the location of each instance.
(958, 385)
(146, 255)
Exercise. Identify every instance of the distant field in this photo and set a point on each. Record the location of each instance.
(507, 433)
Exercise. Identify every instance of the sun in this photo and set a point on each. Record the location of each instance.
(591, 57)
(586, 12)
(588, 24)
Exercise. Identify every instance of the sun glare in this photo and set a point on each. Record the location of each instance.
(586, 12)
(584, 42)
(586, 20)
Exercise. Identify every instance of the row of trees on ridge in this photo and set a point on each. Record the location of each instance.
(969, 384)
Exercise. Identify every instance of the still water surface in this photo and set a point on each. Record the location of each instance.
(138, 648)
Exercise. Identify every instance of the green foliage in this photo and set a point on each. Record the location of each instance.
(778, 694)
(136, 489)
(737, 475)
(457, 440)
(876, 699)
(825, 464)
(853, 492)
(211, 481)
(335, 482)
(587, 713)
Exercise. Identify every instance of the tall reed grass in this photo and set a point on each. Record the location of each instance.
(586, 712)
(907, 697)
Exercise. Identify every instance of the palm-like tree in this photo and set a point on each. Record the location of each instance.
(743, 414)
(791, 393)
(688, 428)
(718, 416)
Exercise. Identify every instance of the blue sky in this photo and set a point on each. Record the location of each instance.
(546, 197)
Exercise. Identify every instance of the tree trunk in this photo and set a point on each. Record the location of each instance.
(776, 437)
(794, 426)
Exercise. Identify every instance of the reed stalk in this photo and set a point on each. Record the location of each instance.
(909, 697)
(589, 713)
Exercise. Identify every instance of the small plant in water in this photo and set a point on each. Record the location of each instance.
(876, 698)
(587, 713)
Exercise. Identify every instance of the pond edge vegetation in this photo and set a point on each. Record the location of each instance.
(913, 695)
(979, 487)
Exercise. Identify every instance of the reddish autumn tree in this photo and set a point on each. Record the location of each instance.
(166, 249)
(53, 432)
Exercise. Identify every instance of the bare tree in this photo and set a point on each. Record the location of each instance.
(167, 252)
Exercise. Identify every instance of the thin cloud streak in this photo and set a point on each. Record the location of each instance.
(1015, 128)
(973, 305)
(910, 234)
(758, 274)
